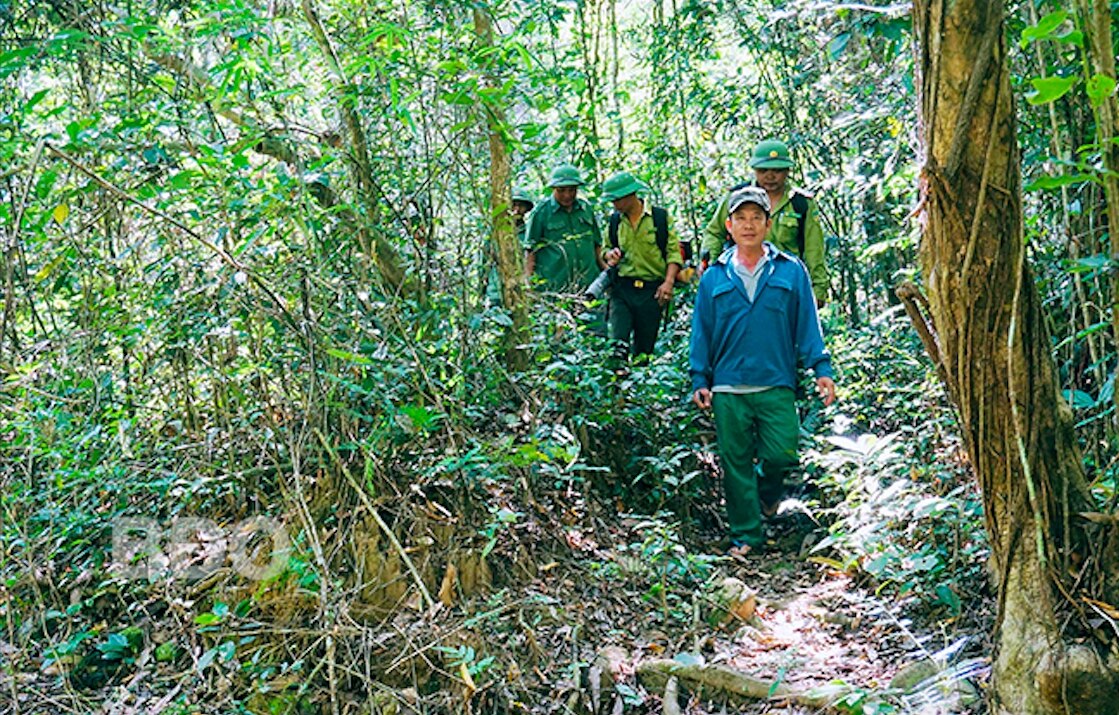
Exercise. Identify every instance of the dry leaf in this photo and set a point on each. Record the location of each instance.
(447, 589)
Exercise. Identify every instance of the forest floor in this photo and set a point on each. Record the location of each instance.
(813, 640)
(606, 607)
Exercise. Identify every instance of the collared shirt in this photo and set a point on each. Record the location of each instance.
(564, 242)
(783, 234)
(738, 342)
(641, 257)
(749, 280)
(749, 276)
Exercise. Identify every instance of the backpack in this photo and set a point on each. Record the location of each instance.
(660, 224)
(800, 204)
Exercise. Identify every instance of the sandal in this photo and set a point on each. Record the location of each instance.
(740, 551)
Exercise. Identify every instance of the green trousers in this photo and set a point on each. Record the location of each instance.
(634, 311)
(757, 440)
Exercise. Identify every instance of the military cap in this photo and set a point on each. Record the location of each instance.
(620, 185)
(771, 154)
(519, 194)
(565, 175)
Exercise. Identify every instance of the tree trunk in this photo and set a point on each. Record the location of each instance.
(1095, 18)
(374, 245)
(510, 267)
(995, 348)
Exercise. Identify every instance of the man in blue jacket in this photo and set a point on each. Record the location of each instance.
(755, 315)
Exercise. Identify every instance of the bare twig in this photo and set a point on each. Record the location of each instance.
(11, 249)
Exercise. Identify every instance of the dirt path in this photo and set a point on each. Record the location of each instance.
(814, 631)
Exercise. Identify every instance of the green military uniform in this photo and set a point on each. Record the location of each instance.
(634, 310)
(782, 233)
(564, 242)
(493, 280)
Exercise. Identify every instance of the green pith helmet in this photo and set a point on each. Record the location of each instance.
(519, 194)
(565, 175)
(620, 185)
(771, 154)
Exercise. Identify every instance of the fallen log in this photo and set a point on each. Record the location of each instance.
(719, 680)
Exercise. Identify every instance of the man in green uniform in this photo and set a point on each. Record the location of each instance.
(562, 241)
(792, 207)
(522, 204)
(646, 250)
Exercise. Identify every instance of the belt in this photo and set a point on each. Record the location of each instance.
(640, 282)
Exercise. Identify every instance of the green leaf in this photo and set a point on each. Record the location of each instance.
(11, 62)
(45, 183)
(43, 273)
(1092, 329)
(207, 619)
(1073, 37)
(227, 650)
(1100, 88)
(1044, 27)
(348, 356)
(166, 652)
(1089, 263)
(115, 642)
(501, 318)
(184, 179)
(421, 417)
(777, 681)
(35, 99)
(838, 44)
(1056, 182)
(207, 659)
(1049, 89)
(1078, 399)
(948, 597)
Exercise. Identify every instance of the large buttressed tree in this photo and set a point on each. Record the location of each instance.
(1054, 558)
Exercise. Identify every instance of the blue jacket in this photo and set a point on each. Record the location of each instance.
(738, 342)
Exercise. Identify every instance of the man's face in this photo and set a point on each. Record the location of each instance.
(748, 225)
(772, 180)
(520, 208)
(565, 195)
(626, 203)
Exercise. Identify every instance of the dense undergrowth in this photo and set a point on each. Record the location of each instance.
(248, 525)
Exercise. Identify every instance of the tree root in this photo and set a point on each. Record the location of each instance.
(721, 680)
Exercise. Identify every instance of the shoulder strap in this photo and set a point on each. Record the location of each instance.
(800, 205)
(612, 228)
(660, 224)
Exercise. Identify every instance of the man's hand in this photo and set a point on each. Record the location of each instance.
(702, 398)
(664, 291)
(613, 256)
(825, 388)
